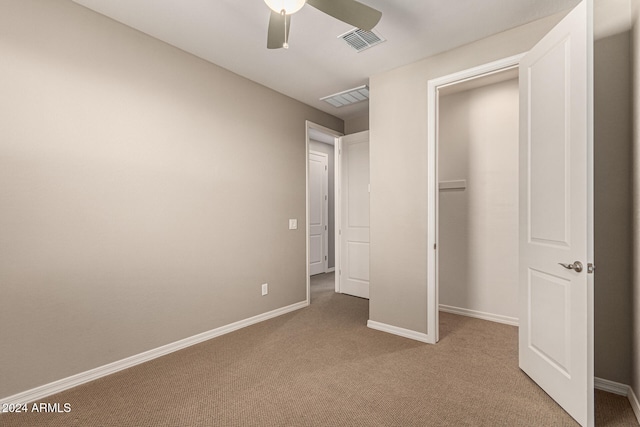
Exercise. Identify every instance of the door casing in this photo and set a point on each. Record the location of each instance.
(309, 126)
(432, 335)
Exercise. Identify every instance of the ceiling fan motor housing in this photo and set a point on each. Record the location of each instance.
(289, 6)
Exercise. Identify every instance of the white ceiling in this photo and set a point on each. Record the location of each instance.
(233, 35)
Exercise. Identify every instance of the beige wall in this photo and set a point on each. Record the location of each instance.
(398, 114)
(144, 194)
(478, 226)
(612, 208)
(356, 124)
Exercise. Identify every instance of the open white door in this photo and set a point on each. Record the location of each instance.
(556, 215)
(318, 212)
(354, 214)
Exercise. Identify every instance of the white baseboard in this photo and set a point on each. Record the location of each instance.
(619, 389)
(635, 405)
(102, 371)
(331, 269)
(611, 386)
(498, 318)
(406, 333)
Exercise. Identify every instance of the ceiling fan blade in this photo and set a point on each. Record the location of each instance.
(349, 11)
(275, 37)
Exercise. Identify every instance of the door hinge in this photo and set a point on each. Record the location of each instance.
(339, 232)
(326, 197)
(326, 168)
(325, 257)
(591, 268)
(434, 246)
(325, 228)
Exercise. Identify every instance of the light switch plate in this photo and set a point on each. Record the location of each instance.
(293, 224)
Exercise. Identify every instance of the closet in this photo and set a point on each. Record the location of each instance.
(477, 153)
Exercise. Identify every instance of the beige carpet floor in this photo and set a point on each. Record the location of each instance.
(321, 366)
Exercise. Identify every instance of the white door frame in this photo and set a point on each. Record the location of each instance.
(434, 86)
(336, 135)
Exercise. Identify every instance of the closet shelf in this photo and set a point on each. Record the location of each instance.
(453, 185)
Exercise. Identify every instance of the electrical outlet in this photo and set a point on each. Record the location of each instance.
(293, 224)
(265, 289)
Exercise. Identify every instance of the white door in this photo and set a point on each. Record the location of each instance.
(556, 215)
(354, 214)
(318, 212)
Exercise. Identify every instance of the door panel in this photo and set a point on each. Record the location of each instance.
(357, 158)
(318, 212)
(358, 256)
(354, 262)
(556, 303)
(549, 220)
(549, 334)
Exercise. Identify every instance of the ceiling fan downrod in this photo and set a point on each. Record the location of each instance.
(286, 41)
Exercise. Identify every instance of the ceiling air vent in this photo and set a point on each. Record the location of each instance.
(361, 39)
(349, 96)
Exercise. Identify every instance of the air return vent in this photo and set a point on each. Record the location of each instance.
(361, 39)
(349, 96)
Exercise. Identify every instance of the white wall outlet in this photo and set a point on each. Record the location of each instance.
(293, 224)
(265, 289)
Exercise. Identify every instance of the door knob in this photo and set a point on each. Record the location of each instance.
(576, 266)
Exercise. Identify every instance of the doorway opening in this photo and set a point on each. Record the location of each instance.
(473, 194)
(343, 236)
(321, 161)
(477, 151)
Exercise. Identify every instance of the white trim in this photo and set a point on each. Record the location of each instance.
(621, 390)
(306, 209)
(395, 330)
(102, 371)
(432, 177)
(635, 405)
(331, 269)
(611, 386)
(337, 212)
(433, 300)
(498, 318)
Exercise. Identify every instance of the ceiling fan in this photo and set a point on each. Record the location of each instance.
(350, 11)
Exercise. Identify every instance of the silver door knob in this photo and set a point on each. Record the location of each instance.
(576, 266)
